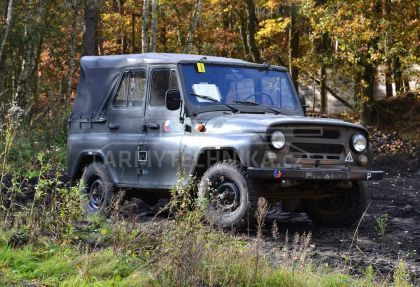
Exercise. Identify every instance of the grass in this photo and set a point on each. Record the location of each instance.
(66, 266)
(184, 252)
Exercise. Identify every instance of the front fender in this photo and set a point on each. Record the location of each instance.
(246, 145)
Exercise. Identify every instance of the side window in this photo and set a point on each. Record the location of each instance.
(162, 81)
(132, 90)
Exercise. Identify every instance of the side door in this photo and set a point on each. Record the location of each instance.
(125, 123)
(164, 130)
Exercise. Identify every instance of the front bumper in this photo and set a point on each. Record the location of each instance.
(314, 173)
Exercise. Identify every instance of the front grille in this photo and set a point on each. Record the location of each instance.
(315, 145)
(316, 133)
(316, 148)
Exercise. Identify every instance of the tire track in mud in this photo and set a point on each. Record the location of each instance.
(398, 196)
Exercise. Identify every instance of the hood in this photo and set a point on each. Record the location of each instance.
(258, 123)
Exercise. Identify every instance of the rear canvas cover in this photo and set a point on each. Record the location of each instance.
(97, 81)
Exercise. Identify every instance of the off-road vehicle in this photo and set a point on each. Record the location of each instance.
(237, 127)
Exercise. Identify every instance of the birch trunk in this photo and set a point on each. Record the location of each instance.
(145, 27)
(154, 25)
(193, 26)
(6, 31)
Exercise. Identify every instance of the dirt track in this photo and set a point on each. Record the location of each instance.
(397, 196)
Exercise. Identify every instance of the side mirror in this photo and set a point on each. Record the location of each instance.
(173, 100)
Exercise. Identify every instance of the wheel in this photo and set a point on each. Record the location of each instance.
(229, 196)
(339, 211)
(98, 189)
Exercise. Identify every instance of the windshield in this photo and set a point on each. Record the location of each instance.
(217, 86)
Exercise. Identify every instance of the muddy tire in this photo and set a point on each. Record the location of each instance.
(98, 189)
(339, 211)
(228, 195)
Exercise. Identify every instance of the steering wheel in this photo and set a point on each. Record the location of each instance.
(262, 94)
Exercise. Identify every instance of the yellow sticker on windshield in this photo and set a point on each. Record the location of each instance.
(201, 68)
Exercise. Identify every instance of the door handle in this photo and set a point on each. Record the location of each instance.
(153, 126)
(113, 126)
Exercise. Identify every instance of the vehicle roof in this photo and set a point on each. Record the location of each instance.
(99, 75)
(157, 58)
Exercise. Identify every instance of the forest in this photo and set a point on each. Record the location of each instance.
(42, 42)
(335, 51)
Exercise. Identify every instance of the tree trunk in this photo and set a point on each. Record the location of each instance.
(323, 90)
(294, 38)
(123, 37)
(243, 32)
(72, 54)
(386, 9)
(163, 39)
(91, 19)
(388, 79)
(193, 26)
(7, 29)
(154, 25)
(133, 33)
(252, 23)
(33, 39)
(145, 27)
(396, 67)
(368, 92)
(406, 86)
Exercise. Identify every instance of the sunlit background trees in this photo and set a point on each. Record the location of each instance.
(337, 50)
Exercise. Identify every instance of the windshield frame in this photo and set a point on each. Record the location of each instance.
(191, 109)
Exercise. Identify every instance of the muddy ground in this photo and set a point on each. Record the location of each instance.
(397, 195)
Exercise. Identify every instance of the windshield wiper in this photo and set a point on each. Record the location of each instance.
(214, 100)
(251, 103)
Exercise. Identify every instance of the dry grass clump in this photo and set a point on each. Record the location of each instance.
(191, 253)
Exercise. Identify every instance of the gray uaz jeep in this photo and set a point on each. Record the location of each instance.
(238, 127)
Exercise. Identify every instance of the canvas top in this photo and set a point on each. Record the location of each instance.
(99, 76)
(152, 58)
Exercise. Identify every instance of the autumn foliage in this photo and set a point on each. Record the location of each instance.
(319, 41)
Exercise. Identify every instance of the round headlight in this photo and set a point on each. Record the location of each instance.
(359, 142)
(278, 139)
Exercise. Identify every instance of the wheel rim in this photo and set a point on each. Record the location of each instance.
(225, 198)
(96, 194)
